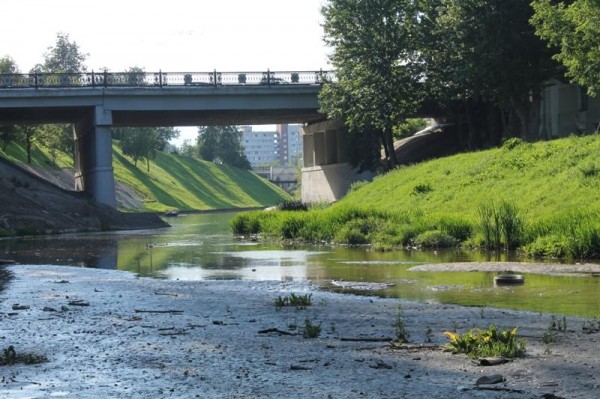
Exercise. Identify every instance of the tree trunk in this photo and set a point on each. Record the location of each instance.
(28, 145)
(148, 164)
(528, 113)
(389, 138)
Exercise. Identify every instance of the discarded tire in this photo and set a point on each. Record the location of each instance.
(509, 279)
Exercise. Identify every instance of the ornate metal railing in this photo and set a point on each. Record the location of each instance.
(163, 79)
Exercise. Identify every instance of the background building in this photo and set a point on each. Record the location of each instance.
(279, 147)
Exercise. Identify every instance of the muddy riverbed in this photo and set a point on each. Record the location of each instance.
(110, 334)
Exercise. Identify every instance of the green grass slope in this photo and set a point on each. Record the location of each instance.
(542, 198)
(174, 182)
(543, 179)
(186, 183)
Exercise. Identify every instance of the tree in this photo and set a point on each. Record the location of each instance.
(8, 65)
(64, 57)
(572, 28)
(376, 62)
(143, 143)
(484, 54)
(222, 143)
(8, 133)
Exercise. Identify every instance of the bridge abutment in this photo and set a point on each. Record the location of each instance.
(93, 157)
(326, 175)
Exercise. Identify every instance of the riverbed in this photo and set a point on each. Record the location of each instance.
(111, 334)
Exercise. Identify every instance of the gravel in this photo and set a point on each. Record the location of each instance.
(109, 334)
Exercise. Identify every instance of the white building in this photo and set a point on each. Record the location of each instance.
(281, 146)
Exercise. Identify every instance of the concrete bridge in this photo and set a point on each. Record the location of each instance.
(96, 102)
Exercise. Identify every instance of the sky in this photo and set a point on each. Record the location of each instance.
(172, 36)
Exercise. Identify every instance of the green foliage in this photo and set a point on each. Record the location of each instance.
(311, 330)
(297, 301)
(292, 205)
(572, 28)
(435, 239)
(422, 189)
(377, 78)
(143, 143)
(64, 56)
(512, 143)
(487, 343)
(502, 225)
(222, 143)
(409, 127)
(479, 202)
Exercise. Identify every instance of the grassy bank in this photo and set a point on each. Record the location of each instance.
(174, 182)
(539, 198)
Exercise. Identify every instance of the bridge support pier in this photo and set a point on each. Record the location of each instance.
(93, 157)
(326, 175)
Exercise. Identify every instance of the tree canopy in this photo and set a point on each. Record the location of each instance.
(377, 68)
(64, 57)
(478, 61)
(222, 143)
(573, 29)
(142, 143)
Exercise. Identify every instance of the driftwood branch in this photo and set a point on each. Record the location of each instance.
(275, 330)
(159, 311)
(386, 339)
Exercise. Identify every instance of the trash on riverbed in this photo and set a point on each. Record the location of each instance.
(360, 285)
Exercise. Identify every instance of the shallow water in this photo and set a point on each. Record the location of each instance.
(201, 246)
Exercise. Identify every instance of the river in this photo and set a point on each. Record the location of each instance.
(201, 246)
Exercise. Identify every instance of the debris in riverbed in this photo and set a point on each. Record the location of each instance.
(79, 302)
(360, 285)
(490, 379)
(17, 306)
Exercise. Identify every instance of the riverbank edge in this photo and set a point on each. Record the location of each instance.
(108, 333)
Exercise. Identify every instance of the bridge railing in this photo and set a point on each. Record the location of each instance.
(163, 79)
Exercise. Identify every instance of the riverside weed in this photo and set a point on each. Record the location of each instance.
(311, 330)
(298, 301)
(402, 334)
(487, 343)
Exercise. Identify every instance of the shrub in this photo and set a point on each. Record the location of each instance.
(435, 239)
(456, 227)
(292, 205)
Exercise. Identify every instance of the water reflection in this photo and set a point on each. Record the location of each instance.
(200, 247)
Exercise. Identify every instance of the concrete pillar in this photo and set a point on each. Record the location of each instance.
(331, 146)
(93, 157)
(308, 150)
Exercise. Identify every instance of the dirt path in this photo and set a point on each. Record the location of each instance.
(108, 334)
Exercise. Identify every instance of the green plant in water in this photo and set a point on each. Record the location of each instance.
(311, 330)
(502, 225)
(402, 334)
(487, 343)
